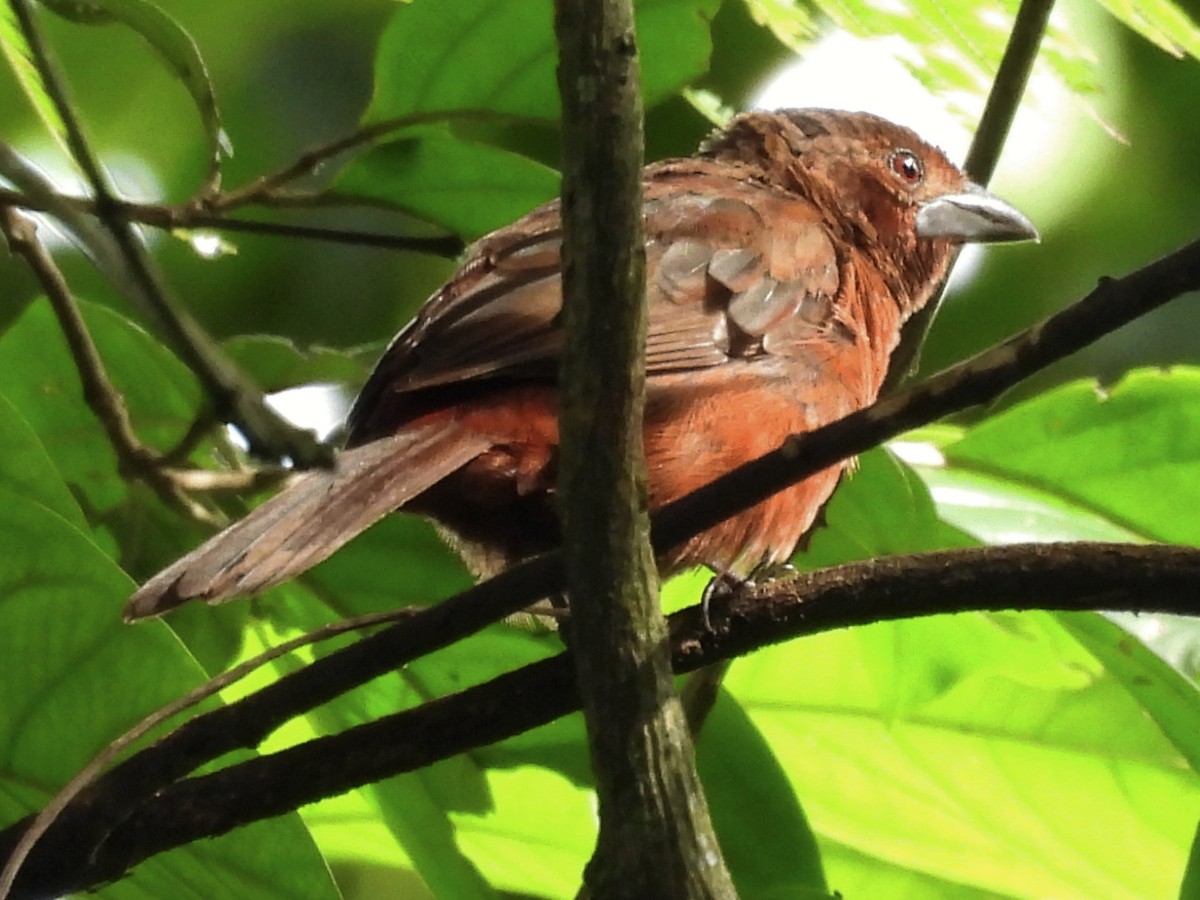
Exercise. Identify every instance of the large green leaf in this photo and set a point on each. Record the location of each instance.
(1130, 454)
(498, 56)
(72, 668)
(989, 751)
(1081, 463)
(1009, 776)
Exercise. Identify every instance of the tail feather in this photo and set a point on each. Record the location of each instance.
(311, 518)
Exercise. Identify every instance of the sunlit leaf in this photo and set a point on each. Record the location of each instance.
(1130, 454)
(1005, 777)
(1171, 700)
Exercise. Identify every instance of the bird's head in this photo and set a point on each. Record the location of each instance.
(879, 186)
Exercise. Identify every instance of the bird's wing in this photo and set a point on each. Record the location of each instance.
(719, 280)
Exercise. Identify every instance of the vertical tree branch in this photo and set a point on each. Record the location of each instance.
(656, 839)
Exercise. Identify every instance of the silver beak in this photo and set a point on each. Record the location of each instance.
(973, 216)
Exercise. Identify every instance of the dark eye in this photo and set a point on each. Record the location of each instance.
(907, 167)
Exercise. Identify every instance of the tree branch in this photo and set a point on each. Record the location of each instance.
(188, 215)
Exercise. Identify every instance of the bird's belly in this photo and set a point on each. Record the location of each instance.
(691, 444)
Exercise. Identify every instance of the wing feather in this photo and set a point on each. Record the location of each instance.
(719, 281)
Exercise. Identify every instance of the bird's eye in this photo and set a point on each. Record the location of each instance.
(906, 166)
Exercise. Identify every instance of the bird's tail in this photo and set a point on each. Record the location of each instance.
(311, 518)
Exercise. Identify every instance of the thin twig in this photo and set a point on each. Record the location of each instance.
(264, 188)
(183, 216)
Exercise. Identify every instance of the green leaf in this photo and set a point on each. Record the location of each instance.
(469, 189)
(1008, 774)
(174, 47)
(860, 875)
(73, 669)
(1171, 700)
(40, 379)
(1129, 455)
(988, 739)
(498, 56)
(28, 470)
(998, 510)
(881, 507)
(20, 57)
(1160, 21)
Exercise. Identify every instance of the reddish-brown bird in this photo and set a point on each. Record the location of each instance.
(782, 261)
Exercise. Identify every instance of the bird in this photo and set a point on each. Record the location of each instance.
(782, 260)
